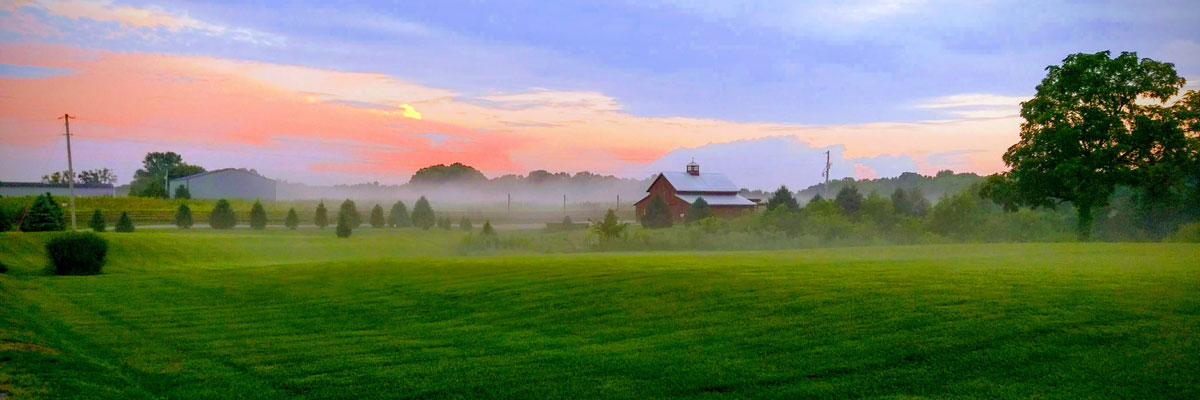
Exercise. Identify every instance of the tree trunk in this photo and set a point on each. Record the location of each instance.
(1084, 224)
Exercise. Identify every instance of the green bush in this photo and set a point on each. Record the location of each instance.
(182, 192)
(697, 211)
(344, 226)
(5, 221)
(292, 221)
(465, 224)
(444, 223)
(44, 216)
(398, 217)
(124, 224)
(377, 216)
(183, 217)
(658, 214)
(77, 253)
(258, 216)
(1188, 233)
(321, 219)
(351, 211)
(97, 222)
(222, 216)
(422, 214)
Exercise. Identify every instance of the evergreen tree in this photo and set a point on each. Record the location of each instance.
(351, 211)
(783, 197)
(444, 223)
(292, 220)
(344, 223)
(422, 214)
(97, 223)
(124, 224)
(377, 216)
(698, 210)
(610, 227)
(321, 219)
(487, 232)
(849, 200)
(182, 192)
(465, 224)
(5, 221)
(44, 215)
(658, 214)
(398, 217)
(222, 216)
(258, 216)
(183, 217)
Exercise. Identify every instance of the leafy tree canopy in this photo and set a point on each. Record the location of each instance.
(441, 173)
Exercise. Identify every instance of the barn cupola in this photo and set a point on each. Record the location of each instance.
(693, 168)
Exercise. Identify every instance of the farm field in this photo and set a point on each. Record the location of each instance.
(387, 314)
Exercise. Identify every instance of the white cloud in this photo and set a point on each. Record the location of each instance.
(148, 18)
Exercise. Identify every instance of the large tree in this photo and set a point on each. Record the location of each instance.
(98, 176)
(149, 181)
(1089, 128)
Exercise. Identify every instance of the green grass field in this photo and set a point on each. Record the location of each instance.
(280, 314)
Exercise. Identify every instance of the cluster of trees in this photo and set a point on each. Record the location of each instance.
(348, 217)
(91, 176)
(157, 168)
(46, 215)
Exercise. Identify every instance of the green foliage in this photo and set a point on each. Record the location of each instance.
(849, 200)
(422, 214)
(5, 221)
(183, 193)
(321, 219)
(377, 220)
(658, 214)
(77, 253)
(783, 198)
(183, 217)
(610, 228)
(44, 216)
(345, 225)
(98, 176)
(149, 181)
(444, 223)
(293, 220)
(124, 224)
(398, 217)
(911, 203)
(464, 223)
(59, 177)
(222, 216)
(350, 210)
(97, 222)
(453, 173)
(258, 216)
(697, 211)
(957, 216)
(487, 230)
(1188, 233)
(1085, 133)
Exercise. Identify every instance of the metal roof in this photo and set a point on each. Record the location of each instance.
(57, 185)
(717, 199)
(184, 178)
(704, 182)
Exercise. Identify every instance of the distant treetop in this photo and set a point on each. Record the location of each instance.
(441, 173)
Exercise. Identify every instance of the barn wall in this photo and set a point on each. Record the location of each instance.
(56, 191)
(228, 185)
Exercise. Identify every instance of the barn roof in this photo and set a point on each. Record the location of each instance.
(57, 185)
(717, 199)
(215, 171)
(704, 182)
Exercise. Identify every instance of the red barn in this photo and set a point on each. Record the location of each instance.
(681, 189)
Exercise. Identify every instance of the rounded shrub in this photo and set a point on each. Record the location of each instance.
(77, 253)
(222, 216)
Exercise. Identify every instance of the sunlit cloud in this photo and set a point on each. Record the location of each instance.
(410, 112)
(143, 18)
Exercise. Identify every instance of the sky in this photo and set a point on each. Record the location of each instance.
(322, 93)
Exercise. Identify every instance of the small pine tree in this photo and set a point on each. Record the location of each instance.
(658, 214)
(783, 198)
(322, 217)
(97, 222)
(222, 216)
(697, 211)
(377, 216)
(465, 224)
(344, 226)
(183, 217)
(124, 224)
(422, 214)
(351, 210)
(44, 216)
(398, 217)
(258, 216)
(444, 223)
(292, 221)
(610, 227)
(487, 233)
(182, 192)
(5, 222)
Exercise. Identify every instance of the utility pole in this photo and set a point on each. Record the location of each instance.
(70, 167)
(167, 182)
(618, 203)
(510, 203)
(826, 174)
(564, 204)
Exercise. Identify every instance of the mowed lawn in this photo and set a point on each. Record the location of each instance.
(393, 315)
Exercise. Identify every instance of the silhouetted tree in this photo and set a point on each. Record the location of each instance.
(422, 214)
(377, 216)
(783, 197)
(465, 224)
(183, 217)
(658, 214)
(124, 224)
(697, 211)
(97, 222)
(351, 211)
(321, 219)
(222, 216)
(398, 217)
(292, 221)
(258, 216)
(849, 200)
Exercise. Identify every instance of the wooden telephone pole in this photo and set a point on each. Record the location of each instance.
(826, 175)
(70, 167)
